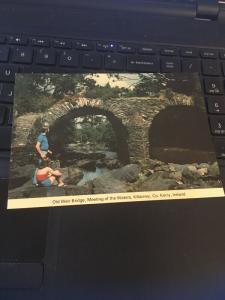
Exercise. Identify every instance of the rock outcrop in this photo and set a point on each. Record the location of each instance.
(155, 176)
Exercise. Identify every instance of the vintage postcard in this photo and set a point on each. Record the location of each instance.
(94, 138)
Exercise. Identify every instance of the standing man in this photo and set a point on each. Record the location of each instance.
(42, 145)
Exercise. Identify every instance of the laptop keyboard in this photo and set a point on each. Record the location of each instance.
(41, 54)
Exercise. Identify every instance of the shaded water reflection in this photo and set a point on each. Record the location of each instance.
(90, 175)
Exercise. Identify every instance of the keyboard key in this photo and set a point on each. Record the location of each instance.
(170, 51)
(43, 42)
(106, 46)
(7, 73)
(223, 68)
(189, 52)
(17, 40)
(2, 115)
(142, 63)
(22, 55)
(5, 137)
(170, 65)
(190, 65)
(216, 104)
(46, 56)
(10, 116)
(220, 147)
(6, 92)
(126, 48)
(114, 62)
(217, 125)
(4, 53)
(211, 67)
(69, 58)
(146, 50)
(222, 54)
(62, 43)
(92, 60)
(213, 86)
(209, 53)
(84, 45)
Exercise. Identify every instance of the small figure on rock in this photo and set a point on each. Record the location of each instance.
(45, 176)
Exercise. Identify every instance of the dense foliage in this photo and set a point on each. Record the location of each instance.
(37, 92)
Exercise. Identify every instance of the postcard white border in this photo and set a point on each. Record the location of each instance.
(114, 198)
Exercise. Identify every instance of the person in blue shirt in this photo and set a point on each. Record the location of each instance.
(42, 145)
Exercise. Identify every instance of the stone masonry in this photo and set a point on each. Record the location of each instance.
(135, 113)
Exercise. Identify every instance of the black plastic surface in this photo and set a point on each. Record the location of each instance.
(21, 275)
(158, 250)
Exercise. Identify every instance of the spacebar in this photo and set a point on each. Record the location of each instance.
(5, 138)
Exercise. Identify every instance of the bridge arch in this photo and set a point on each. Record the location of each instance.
(119, 129)
(180, 134)
(136, 114)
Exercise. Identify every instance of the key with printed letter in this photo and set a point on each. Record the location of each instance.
(213, 86)
(7, 73)
(219, 143)
(69, 58)
(170, 65)
(22, 55)
(190, 65)
(142, 63)
(114, 61)
(6, 92)
(92, 60)
(217, 125)
(46, 56)
(216, 104)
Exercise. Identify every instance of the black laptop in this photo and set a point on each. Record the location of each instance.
(149, 250)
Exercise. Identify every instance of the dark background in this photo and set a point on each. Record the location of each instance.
(170, 250)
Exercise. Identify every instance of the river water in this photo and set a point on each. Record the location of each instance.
(90, 175)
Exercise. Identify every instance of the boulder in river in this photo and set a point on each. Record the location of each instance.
(158, 182)
(86, 164)
(128, 173)
(116, 181)
(107, 184)
(153, 163)
(214, 170)
(190, 174)
(112, 163)
(71, 175)
(30, 191)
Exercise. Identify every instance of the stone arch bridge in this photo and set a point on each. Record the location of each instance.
(135, 114)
